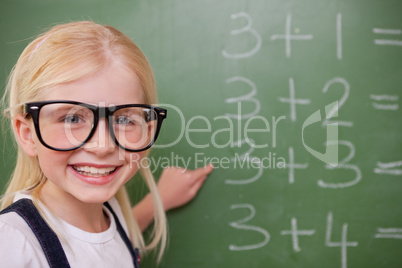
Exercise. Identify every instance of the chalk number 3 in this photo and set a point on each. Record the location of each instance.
(246, 29)
(241, 226)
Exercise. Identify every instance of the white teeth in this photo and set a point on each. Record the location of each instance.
(93, 171)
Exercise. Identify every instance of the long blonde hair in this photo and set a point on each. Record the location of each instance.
(63, 54)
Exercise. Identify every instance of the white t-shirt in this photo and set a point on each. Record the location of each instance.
(19, 247)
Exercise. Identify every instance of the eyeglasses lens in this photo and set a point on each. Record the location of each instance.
(134, 127)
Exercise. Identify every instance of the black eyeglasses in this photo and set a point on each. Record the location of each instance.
(68, 125)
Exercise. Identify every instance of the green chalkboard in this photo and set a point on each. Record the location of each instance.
(252, 86)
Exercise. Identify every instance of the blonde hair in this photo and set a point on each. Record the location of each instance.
(66, 53)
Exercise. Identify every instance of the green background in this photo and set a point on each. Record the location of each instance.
(184, 41)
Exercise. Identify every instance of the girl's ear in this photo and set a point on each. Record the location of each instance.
(25, 135)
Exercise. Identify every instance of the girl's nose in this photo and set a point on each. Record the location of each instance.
(101, 142)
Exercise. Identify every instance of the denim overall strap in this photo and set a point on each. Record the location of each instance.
(46, 236)
(134, 253)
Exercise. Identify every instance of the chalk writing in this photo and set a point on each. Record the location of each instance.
(251, 109)
(292, 100)
(343, 244)
(292, 166)
(389, 168)
(246, 157)
(288, 36)
(342, 101)
(393, 233)
(339, 36)
(295, 233)
(387, 42)
(391, 99)
(245, 98)
(241, 226)
(250, 97)
(245, 29)
(343, 164)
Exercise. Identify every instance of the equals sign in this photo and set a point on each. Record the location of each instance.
(391, 105)
(395, 233)
(388, 42)
(389, 168)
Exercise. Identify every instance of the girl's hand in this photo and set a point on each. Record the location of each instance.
(178, 186)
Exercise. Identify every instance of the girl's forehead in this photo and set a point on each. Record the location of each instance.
(112, 85)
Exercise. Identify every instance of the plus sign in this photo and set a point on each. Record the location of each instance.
(292, 100)
(288, 37)
(294, 232)
(292, 166)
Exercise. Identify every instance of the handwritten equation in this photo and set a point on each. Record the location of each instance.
(288, 37)
(295, 233)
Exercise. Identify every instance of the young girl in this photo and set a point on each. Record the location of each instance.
(80, 102)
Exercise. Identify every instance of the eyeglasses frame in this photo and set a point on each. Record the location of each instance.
(33, 109)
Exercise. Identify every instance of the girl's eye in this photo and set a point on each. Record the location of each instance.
(72, 119)
(124, 120)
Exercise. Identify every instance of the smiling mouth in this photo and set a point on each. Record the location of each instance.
(93, 171)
